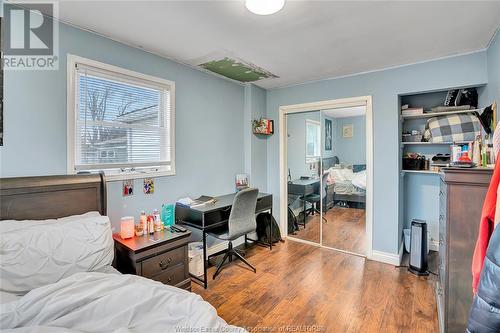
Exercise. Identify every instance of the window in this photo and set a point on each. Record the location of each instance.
(119, 121)
(313, 139)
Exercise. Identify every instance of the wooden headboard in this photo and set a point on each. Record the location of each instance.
(47, 197)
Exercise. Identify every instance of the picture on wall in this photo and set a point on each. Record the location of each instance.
(328, 134)
(347, 131)
(149, 186)
(128, 187)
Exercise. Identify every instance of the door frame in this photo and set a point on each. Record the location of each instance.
(365, 101)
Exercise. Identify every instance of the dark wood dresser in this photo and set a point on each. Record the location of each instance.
(162, 257)
(461, 199)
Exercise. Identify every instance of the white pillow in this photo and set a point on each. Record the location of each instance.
(37, 253)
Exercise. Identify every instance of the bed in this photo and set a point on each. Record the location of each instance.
(56, 274)
(346, 184)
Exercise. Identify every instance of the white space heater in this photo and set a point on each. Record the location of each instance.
(418, 248)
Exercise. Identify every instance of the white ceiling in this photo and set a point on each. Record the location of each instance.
(306, 41)
(345, 112)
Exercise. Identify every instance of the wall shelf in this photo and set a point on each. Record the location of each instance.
(435, 114)
(432, 143)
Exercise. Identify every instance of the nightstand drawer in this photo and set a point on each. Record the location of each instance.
(171, 276)
(162, 262)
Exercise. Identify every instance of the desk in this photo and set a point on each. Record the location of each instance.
(303, 187)
(210, 216)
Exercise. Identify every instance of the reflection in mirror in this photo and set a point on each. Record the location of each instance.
(304, 170)
(344, 168)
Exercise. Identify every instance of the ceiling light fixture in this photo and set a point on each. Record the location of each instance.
(264, 7)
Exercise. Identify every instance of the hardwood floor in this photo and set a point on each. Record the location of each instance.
(345, 229)
(310, 289)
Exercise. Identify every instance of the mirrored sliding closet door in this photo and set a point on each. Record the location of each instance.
(304, 146)
(343, 173)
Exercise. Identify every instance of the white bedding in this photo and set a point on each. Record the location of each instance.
(99, 302)
(6, 297)
(37, 253)
(346, 181)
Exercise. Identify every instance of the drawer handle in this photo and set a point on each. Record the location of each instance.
(169, 279)
(164, 265)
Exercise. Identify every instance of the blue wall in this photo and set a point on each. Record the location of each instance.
(384, 87)
(209, 124)
(352, 150)
(493, 55)
(212, 120)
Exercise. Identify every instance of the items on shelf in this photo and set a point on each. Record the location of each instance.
(462, 97)
(414, 161)
(452, 128)
(438, 109)
(407, 111)
(413, 136)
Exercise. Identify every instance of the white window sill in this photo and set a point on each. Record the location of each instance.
(113, 177)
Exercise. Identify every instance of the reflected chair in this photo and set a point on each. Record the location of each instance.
(314, 199)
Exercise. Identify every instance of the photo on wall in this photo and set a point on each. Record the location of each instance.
(328, 134)
(128, 187)
(347, 131)
(149, 186)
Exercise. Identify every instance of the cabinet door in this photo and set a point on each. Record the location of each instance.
(465, 203)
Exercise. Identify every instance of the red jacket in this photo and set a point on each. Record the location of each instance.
(486, 226)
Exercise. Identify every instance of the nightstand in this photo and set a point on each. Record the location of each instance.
(162, 257)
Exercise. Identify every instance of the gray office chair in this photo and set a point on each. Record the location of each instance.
(241, 222)
(315, 198)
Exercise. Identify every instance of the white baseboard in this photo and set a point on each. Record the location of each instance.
(388, 258)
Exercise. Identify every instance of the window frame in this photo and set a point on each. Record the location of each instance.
(133, 171)
(313, 158)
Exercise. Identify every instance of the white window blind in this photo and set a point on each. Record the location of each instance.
(121, 121)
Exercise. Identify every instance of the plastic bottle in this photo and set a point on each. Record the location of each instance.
(143, 222)
(464, 157)
(157, 219)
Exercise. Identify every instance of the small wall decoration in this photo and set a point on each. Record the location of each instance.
(328, 134)
(347, 131)
(263, 126)
(242, 181)
(149, 185)
(128, 187)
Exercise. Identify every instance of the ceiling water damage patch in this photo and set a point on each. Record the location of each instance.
(237, 70)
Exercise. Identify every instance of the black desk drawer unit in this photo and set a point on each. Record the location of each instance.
(216, 215)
